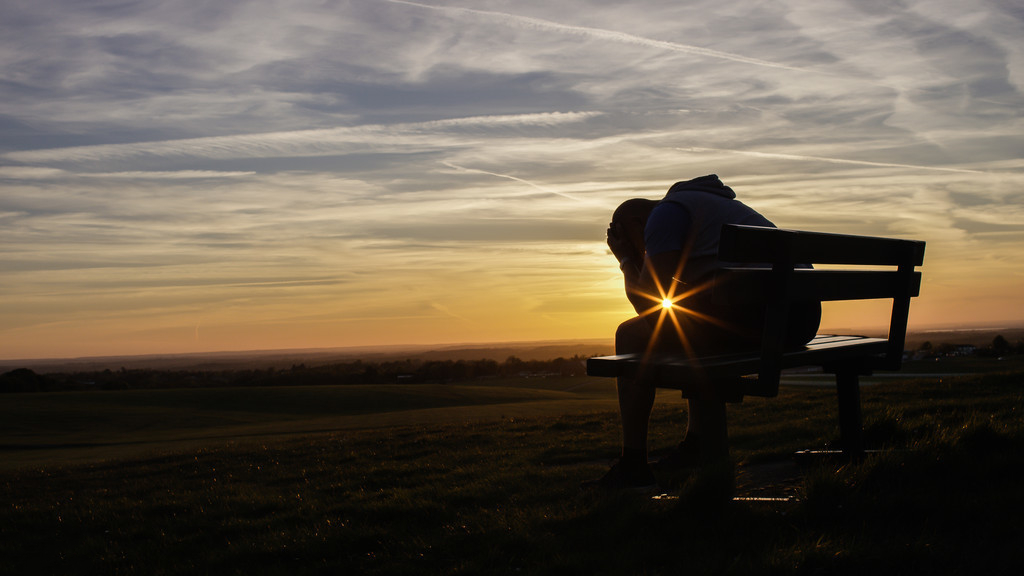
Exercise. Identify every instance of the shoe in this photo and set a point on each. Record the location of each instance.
(623, 478)
(685, 455)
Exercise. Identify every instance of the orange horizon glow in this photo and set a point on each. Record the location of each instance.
(427, 317)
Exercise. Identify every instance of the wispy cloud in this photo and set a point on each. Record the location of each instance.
(601, 34)
(515, 179)
(803, 157)
(322, 142)
(30, 172)
(167, 175)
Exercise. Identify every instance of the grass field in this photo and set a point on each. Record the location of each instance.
(55, 428)
(483, 479)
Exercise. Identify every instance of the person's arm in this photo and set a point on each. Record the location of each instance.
(639, 271)
(653, 281)
(627, 247)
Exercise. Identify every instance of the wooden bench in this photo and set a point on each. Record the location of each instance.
(730, 377)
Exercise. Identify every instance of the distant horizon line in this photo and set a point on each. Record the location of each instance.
(370, 348)
(434, 347)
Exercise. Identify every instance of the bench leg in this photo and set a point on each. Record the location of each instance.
(707, 421)
(851, 435)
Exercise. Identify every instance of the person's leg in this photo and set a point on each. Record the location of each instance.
(636, 397)
(706, 439)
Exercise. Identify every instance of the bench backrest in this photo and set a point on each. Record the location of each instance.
(783, 283)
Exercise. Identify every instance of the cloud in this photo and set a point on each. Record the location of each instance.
(601, 34)
(323, 142)
(308, 165)
(800, 157)
(31, 173)
(175, 175)
(513, 178)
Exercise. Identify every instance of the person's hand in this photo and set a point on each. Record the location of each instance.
(619, 244)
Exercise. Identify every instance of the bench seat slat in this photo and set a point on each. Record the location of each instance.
(676, 370)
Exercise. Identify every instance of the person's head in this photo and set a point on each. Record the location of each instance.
(630, 218)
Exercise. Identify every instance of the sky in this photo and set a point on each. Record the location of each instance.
(188, 176)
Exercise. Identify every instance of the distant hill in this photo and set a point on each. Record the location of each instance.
(540, 350)
(545, 350)
(979, 337)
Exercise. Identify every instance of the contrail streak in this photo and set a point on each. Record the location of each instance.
(448, 312)
(612, 35)
(833, 160)
(318, 142)
(509, 177)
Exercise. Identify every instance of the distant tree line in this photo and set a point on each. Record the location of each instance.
(999, 347)
(346, 373)
(361, 372)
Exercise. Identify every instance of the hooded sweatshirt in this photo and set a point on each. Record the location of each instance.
(690, 218)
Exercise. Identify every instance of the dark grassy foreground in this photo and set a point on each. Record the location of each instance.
(501, 497)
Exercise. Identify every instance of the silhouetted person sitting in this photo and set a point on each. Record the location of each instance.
(668, 253)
